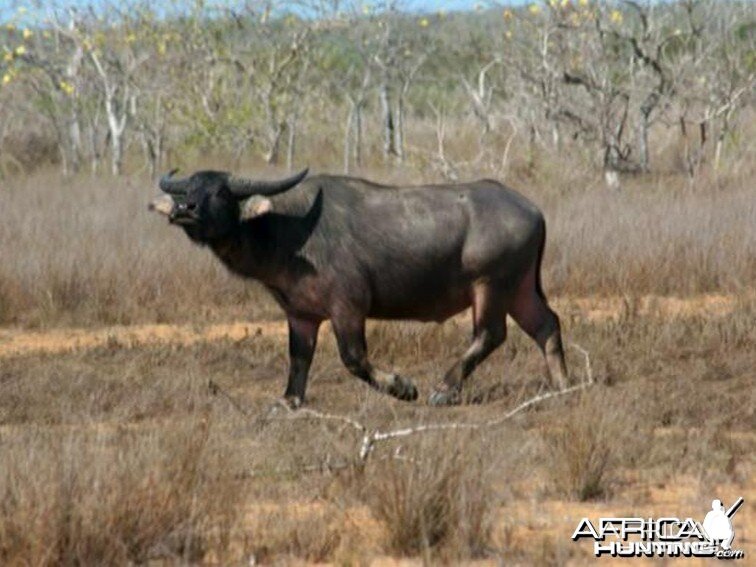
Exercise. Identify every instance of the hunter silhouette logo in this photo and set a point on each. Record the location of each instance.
(717, 524)
(665, 536)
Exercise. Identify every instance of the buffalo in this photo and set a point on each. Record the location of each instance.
(346, 249)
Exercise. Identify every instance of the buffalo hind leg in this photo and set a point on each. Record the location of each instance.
(533, 314)
(350, 336)
(303, 336)
(489, 332)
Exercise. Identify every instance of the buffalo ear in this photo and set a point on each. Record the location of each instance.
(253, 207)
(162, 204)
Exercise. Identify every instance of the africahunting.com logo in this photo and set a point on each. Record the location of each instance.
(664, 537)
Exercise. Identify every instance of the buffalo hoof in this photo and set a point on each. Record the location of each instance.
(293, 402)
(402, 389)
(284, 405)
(444, 396)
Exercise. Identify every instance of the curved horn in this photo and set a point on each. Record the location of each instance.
(173, 186)
(243, 188)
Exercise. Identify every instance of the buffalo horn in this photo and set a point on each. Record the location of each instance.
(243, 188)
(173, 186)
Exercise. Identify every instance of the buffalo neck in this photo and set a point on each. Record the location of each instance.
(271, 248)
(265, 249)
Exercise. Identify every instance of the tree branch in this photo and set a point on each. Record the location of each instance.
(371, 437)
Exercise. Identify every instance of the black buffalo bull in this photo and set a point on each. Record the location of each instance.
(346, 249)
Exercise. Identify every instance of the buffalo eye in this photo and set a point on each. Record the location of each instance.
(191, 206)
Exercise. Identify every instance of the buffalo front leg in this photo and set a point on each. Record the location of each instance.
(303, 336)
(350, 336)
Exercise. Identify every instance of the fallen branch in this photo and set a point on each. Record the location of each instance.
(307, 413)
(371, 437)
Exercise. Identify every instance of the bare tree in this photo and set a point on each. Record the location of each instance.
(273, 62)
(115, 63)
(398, 59)
(59, 60)
(715, 80)
(357, 97)
(601, 81)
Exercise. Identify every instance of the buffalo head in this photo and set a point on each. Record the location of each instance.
(212, 204)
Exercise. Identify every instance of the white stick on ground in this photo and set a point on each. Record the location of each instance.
(371, 437)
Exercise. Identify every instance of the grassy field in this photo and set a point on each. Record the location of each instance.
(145, 443)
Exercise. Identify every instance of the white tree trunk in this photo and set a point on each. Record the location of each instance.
(117, 127)
(358, 135)
(348, 128)
(389, 148)
(274, 145)
(399, 129)
(291, 145)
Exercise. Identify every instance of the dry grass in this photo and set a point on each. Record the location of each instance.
(654, 237)
(439, 498)
(116, 454)
(93, 496)
(283, 534)
(86, 251)
(585, 445)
